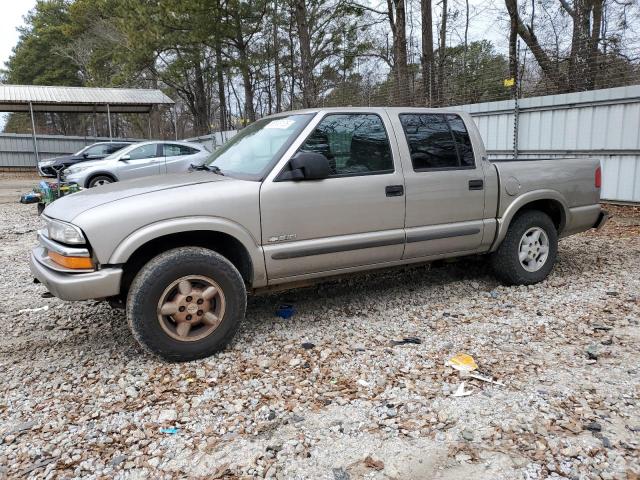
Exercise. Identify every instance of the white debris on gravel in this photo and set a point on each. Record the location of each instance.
(79, 399)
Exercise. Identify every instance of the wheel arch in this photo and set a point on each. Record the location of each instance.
(93, 175)
(547, 201)
(220, 235)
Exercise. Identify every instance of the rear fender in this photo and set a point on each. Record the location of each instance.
(521, 202)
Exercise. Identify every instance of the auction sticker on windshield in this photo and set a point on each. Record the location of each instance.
(281, 124)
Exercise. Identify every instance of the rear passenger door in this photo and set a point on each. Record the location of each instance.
(444, 184)
(353, 218)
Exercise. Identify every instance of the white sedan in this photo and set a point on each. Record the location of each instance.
(138, 160)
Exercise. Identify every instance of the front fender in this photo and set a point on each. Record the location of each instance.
(514, 207)
(135, 240)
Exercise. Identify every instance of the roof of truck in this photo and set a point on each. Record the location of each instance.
(370, 109)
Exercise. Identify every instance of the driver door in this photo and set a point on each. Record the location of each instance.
(353, 218)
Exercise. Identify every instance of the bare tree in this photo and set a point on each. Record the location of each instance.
(427, 62)
(309, 91)
(397, 22)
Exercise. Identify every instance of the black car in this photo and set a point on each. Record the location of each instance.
(97, 151)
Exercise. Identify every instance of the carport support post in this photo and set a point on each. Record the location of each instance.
(175, 120)
(33, 131)
(109, 122)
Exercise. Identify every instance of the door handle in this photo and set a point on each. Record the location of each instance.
(394, 190)
(476, 184)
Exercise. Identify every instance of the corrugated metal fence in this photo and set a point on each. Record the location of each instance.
(16, 150)
(599, 123)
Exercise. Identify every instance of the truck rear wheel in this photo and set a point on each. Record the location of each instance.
(528, 252)
(186, 304)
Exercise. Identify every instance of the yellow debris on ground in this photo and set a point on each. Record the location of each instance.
(462, 362)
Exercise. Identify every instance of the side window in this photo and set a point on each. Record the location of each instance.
(355, 144)
(145, 151)
(431, 144)
(171, 150)
(184, 150)
(98, 150)
(114, 148)
(463, 142)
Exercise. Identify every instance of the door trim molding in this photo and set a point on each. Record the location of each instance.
(413, 237)
(308, 251)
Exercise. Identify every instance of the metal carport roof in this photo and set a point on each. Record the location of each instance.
(23, 98)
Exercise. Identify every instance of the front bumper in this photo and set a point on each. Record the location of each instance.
(74, 286)
(46, 171)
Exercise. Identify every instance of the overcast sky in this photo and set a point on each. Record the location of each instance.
(11, 18)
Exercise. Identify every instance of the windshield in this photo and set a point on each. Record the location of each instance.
(251, 152)
(79, 152)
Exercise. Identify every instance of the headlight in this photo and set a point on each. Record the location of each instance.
(64, 232)
(77, 168)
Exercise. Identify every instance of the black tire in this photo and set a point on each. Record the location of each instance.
(157, 275)
(506, 262)
(41, 207)
(99, 180)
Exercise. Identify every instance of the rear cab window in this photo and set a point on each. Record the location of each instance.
(437, 141)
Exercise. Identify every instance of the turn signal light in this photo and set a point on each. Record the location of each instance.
(77, 263)
(598, 179)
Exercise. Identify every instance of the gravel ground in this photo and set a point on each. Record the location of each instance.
(326, 394)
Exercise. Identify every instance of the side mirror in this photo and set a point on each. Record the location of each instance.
(124, 158)
(307, 166)
(85, 155)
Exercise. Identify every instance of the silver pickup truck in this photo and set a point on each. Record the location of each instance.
(306, 195)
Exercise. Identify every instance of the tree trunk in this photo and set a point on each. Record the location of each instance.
(545, 63)
(513, 56)
(309, 93)
(201, 114)
(580, 71)
(442, 45)
(594, 57)
(292, 66)
(245, 71)
(427, 51)
(222, 100)
(397, 21)
(276, 59)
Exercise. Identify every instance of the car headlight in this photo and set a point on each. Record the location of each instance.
(77, 168)
(64, 232)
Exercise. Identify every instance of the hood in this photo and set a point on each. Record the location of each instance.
(97, 162)
(63, 158)
(67, 208)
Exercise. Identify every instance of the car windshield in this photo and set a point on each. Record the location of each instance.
(81, 151)
(255, 147)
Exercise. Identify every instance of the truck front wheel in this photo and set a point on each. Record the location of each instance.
(186, 304)
(528, 252)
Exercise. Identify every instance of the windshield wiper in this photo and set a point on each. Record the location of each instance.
(208, 168)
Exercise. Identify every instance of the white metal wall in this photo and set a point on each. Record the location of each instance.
(599, 123)
(213, 140)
